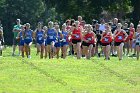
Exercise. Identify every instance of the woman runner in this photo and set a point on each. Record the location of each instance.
(40, 35)
(57, 40)
(20, 36)
(89, 42)
(119, 37)
(131, 35)
(64, 43)
(45, 39)
(126, 43)
(77, 38)
(50, 41)
(137, 36)
(28, 38)
(106, 40)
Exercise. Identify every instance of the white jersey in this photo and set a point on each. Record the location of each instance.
(137, 37)
(102, 27)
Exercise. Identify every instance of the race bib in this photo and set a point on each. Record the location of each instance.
(56, 41)
(64, 40)
(89, 39)
(27, 37)
(51, 37)
(106, 39)
(77, 36)
(127, 31)
(40, 38)
(120, 37)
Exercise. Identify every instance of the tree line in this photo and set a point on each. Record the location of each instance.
(33, 11)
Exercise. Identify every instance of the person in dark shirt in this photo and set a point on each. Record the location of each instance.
(113, 28)
(126, 43)
(98, 35)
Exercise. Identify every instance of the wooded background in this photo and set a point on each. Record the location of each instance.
(33, 11)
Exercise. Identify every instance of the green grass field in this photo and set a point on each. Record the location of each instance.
(37, 75)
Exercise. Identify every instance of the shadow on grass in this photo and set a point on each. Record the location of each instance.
(122, 77)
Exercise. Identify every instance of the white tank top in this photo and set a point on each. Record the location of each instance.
(137, 37)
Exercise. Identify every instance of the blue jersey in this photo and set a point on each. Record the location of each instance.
(65, 36)
(51, 34)
(21, 36)
(57, 41)
(40, 35)
(58, 37)
(28, 34)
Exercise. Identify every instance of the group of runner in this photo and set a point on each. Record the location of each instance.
(82, 40)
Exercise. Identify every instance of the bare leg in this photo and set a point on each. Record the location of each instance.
(79, 50)
(138, 50)
(42, 51)
(90, 51)
(46, 52)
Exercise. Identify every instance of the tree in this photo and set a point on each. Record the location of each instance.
(26, 10)
(136, 11)
(89, 8)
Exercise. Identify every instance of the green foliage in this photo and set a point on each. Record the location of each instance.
(45, 10)
(26, 10)
(89, 9)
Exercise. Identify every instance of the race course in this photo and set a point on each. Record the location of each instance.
(68, 75)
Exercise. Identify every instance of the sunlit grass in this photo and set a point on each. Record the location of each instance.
(36, 75)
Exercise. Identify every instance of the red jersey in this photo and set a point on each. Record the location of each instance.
(107, 38)
(120, 37)
(131, 34)
(69, 38)
(90, 37)
(77, 34)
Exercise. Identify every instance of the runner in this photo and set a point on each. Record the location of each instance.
(20, 36)
(68, 25)
(16, 30)
(1, 40)
(80, 19)
(28, 40)
(89, 42)
(45, 39)
(71, 50)
(119, 37)
(126, 43)
(50, 41)
(57, 40)
(98, 35)
(40, 35)
(106, 40)
(102, 25)
(113, 28)
(64, 43)
(76, 38)
(137, 37)
(131, 35)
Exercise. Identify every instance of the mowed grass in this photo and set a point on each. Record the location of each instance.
(37, 75)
